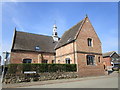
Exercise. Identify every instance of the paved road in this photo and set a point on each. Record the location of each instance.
(111, 82)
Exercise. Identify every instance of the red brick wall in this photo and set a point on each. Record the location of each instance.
(107, 61)
(86, 32)
(65, 52)
(81, 44)
(17, 57)
(89, 70)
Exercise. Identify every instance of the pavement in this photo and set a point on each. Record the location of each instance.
(108, 81)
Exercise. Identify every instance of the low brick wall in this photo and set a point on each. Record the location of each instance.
(14, 78)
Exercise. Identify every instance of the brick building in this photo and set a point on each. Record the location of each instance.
(79, 45)
(110, 59)
(32, 48)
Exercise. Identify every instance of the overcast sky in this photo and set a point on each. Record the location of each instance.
(38, 17)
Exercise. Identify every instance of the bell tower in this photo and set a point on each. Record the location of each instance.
(54, 34)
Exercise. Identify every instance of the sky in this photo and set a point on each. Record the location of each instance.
(39, 18)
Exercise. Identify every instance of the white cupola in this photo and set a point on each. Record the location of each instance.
(55, 35)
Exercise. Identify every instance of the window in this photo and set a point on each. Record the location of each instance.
(27, 60)
(53, 61)
(99, 59)
(44, 61)
(58, 61)
(37, 48)
(67, 60)
(90, 60)
(89, 42)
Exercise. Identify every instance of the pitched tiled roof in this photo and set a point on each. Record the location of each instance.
(28, 42)
(108, 54)
(69, 35)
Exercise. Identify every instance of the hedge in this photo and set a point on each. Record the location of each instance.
(14, 68)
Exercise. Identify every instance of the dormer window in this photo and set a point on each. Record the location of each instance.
(89, 41)
(37, 48)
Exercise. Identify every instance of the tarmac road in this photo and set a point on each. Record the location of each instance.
(107, 81)
(111, 82)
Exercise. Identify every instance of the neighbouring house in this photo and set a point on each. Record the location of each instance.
(110, 59)
(79, 45)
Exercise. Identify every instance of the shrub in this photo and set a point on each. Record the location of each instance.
(15, 68)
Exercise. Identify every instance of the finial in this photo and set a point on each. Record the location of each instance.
(55, 22)
(54, 26)
(86, 15)
(15, 28)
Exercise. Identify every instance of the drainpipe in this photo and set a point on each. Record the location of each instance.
(74, 53)
(75, 59)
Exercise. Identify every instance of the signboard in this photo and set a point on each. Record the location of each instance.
(29, 72)
(5, 55)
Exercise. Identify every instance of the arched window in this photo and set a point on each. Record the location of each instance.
(89, 41)
(27, 60)
(45, 61)
(53, 61)
(99, 59)
(67, 60)
(59, 61)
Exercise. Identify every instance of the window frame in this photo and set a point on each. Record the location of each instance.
(45, 61)
(99, 60)
(91, 60)
(58, 61)
(67, 60)
(37, 48)
(53, 61)
(90, 42)
(27, 61)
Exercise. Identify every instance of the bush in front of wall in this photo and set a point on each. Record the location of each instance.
(39, 68)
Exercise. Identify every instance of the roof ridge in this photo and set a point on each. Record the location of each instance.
(109, 52)
(33, 33)
(82, 22)
(74, 25)
(71, 33)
